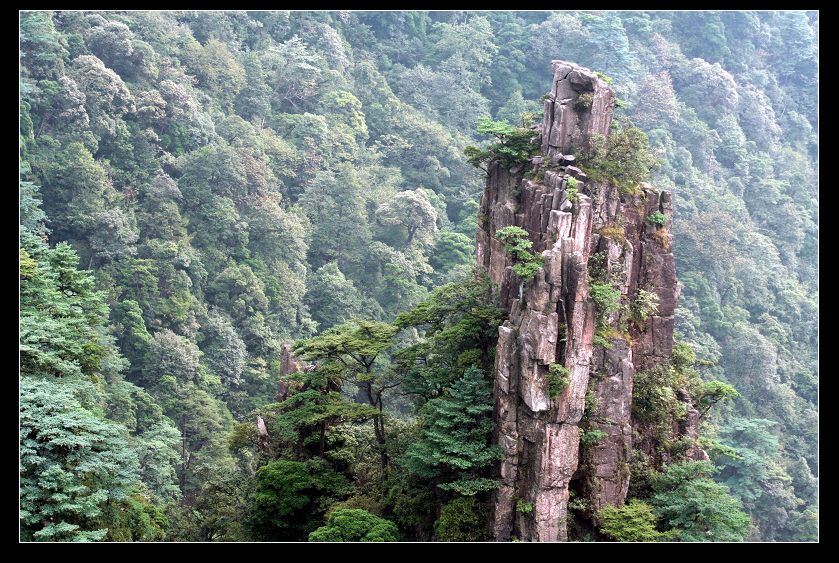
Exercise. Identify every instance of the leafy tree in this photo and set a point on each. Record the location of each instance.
(173, 355)
(217, 514)
(114, 236)
(216, 68)
(454, 448)
(73, 463)
(702, 510)
(452, 250)
(315, 406)
(333, 202)
(332, 298)
(349, 352)
(623, 159)
(224, 352)
(44, 49)
(76, 190)
(62, 316)
(518, 245)
(107, 98)
(512, 144)
(413, 217)
(632, 522)
(290, 497)
(462, 519)
(460, 323)
(349, 524)
(753, 473)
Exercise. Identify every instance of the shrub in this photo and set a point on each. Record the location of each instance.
(558, 380)
(352, 524)
(462, 519)
(632, 522)
(517, 245)
(644, 305)
(623, 159)
(584, 101)
(616, 233)
(524, 506)
(603, 77)
(591, 437)
(657, 218)
(606, 299)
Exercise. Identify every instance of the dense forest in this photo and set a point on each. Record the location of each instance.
(207, 196)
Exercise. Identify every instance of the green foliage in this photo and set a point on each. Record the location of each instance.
(512, 146)
(700, 509)
(290, 498)
(73, 464)
(462, 520)
(518, 245)
(524, 507)
(347, 524)
(290, 136)
(749, 461)
(591, 437)
(644, 305)
(62, 316)
(460, 323)
(607, 300)
(314, 406)
(623, 159)
(558, 380)
(603, 77)
(454, 448)
(635, 521)
(584, 101)
(712, 392)
(657, 218)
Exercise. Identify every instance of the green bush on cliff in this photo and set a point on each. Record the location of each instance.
(512, 146)
(558, 380)
(623, 159)
(657, 218)
(518, 245)
(524, 507)
(632, 522)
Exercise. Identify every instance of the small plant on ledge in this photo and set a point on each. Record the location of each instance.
(524, 507)
(518, 246)
(558, 380)
(657, 218)
(584, 101)
(591, 437)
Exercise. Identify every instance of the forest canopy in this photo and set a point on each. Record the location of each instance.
(203, 192)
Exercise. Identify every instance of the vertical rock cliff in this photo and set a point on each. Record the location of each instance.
(594, 234)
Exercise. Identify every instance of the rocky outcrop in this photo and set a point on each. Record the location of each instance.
(288, 365)
(599, 232)
(579, 104)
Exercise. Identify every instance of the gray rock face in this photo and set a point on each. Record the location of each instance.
(570, 120)
(552, 318)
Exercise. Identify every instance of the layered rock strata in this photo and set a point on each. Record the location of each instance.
(553, 318)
